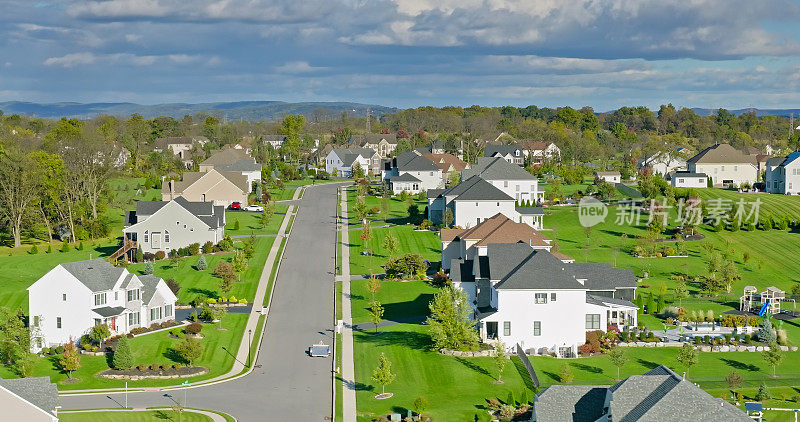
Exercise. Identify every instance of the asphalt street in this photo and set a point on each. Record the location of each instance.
(289, 385)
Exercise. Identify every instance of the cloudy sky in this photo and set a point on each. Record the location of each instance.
(405, 53)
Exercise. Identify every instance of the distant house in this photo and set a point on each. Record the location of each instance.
(509, 178)
(662, 163)
(382, 143)
(608, 176)
(449, 163)
(685, 179)
(475, 200)
(73, 297)
(437, 147)
(412, 172)
(783, 175)
(29, 399)
(530, 297)
(340, 161)
(276, 141)
(234, 160)
(512, 153)
(658, 395)
(472, 243)
(539, 152)
(725, 165)
(180, 146)
(220, 187)
(167, 225)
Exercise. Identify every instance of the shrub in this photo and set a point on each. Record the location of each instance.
(180, 335)
(194, 328)
(45, 350)
(408, 265)
(194, 249)
(222, 299)
(201, 263)
(160, 255)
(232, 299)
(244, 301)
(440, 279)
(49, 249)
(34, 250)
(211, 301)
(208, 247)
(585, 349)
(148, 268)
(123, 357)
(59, 350)
(154, 326)
(64, 247)
(173, 285)
(138, 330)
(141, 367)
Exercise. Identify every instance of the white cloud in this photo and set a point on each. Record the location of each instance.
(86, 58)
(297, 67)
(71, 60)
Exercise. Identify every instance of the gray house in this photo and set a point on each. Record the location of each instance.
(657, 395)
(167, 225)
(29, 399)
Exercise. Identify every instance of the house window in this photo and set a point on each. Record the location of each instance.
(431, 173)
(97, 321)
(537, 328)
(507, 328)
(552, 297)
(99, 299)
(116, 295)
(505, 183)
(58, 322)
(146, 236)
(166, 236)
(517, 188)
(167, 311)
(498, 204)
(177, 223)
(680, 180)
(155, 314)
(133, 295)
(64, 297)
(133, 319)
(541, 298)
(592, 321)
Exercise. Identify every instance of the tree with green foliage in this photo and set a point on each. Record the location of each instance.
(375, 313)
(391, 244)
(291, 127)
(500, 360)
(762, 393)
(651, 306)
(373, 285)
(148, 268)
(734, 380)
(413, 210)
(420, 406)
(227, 276)
(201, 263)
(767, 334)
(773, 356)
(139, 254)
(123, 356)
(382, 374)
(406, 266)
(236, 224)
(681, 292)
(70, 360)
(266, 215)
(99, 333)
(618, 358)
(448, 217)
(189, 349)
(687, 356)
(450, 323)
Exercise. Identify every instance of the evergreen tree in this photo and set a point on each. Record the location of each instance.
(201, 263)
(123, 357)
(148, 268)
(139, 254)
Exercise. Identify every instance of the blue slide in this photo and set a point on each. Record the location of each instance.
(763, 309)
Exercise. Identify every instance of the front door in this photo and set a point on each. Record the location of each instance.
(156, 241)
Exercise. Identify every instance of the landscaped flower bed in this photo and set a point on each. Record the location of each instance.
(142, 372)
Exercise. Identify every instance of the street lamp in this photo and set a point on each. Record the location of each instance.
(249, 346)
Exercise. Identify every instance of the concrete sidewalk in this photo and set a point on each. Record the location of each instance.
(216, 417)
(348, 364)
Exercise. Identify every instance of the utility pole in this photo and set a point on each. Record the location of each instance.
(368, 120)
(791, 123)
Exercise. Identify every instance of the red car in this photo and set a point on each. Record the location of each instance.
(236, 206)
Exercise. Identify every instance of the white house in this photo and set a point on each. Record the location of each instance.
(469, 244)
(276, 141)
(725, 165)
(166, 225)
(340, 161)
(31, 399)
(529, 297)
(662, 163)
(685, 179)
(512, 179)
(512, 153)
(783, 175)
(74, 297)
(539, 152)
(475, 200)
(608, 176)
(234, 160)
(412, 172)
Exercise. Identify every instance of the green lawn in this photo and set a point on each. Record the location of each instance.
(457, 388)
(399, 299)
(148, 416)
(425, 243)
(151, 349)
(398, 210)
(250, 222)
(288, 189)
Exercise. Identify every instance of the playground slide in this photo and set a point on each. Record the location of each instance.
(763, 309)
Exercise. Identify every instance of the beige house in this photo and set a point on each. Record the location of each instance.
(449, 163)
(220, 187)
(725, 165)
(29, 399)
(234, 160)
(182, 147)
(383, 144)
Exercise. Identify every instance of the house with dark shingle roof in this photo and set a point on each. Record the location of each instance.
(413, 173)
(528, 296)
(70, 299)
(657, 395)
(538, 152)
(725, 165)
(168, 225)
(510, 178)
(382, 143)
(220, 187)
(514, 154)
(29, 399)
(340, 161)
(182, 147)
(449, 163)
(783, 174)
(234, 160)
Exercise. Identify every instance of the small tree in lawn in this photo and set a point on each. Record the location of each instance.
(762, 393)
(70, 360)
(375, 313)
(448, 217)
(385, 208)
(239, 261)
(123, 357)
(773, 356)
(420, 406)
(99, 333)
(681, 292)
(500, 360)
(236, 224)
(227, 276)
(734, 380)
(189, 349)
(148, 268)
(565, 375)
(391, 244)
(373, 285)
(618, 358)
(687, 356)
(382, 374)
(139, 254)
(450, 323)
(202, 264)
(266, 215)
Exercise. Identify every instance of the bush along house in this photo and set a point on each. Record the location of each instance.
(74, 297)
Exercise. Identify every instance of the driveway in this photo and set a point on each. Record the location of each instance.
(289, 385)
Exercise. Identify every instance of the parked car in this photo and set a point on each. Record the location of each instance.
(236, 206)
(319, 350)
(254, 208)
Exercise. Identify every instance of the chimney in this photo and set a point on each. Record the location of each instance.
(684, 375)
(171, 189)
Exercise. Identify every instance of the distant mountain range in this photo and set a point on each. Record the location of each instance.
(247, 110)
(759, 112)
